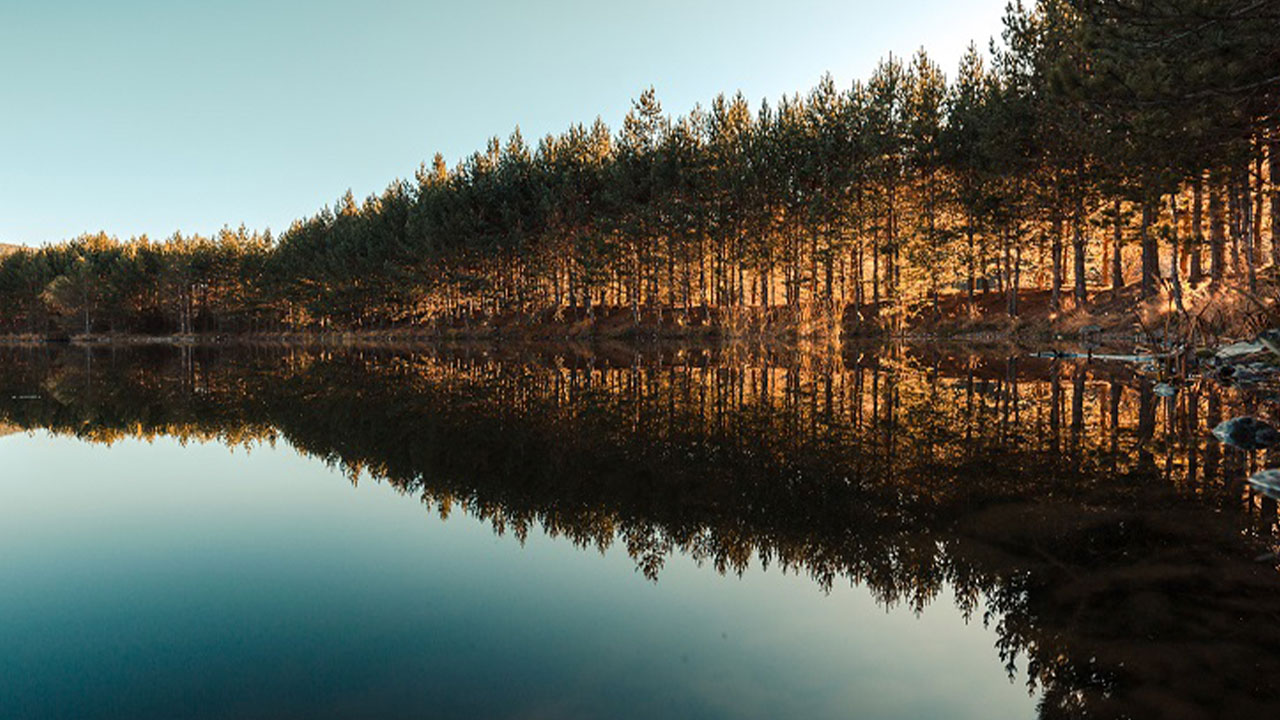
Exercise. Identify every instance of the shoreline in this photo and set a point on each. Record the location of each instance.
(1039, 337)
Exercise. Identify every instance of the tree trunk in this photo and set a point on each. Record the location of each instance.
(1055, 294)
(1017, 277)
(1078, 251)
(1217, 233)
(1235, 224)
(858, 292)
(1174, 283)
(1117, 243)
(875, 276)
(1150, 252)
(1247, 226)
(1274, 162)
(1255, 232)
(637, 287)
(973, 275)
(1196, 237)
(1273, 159)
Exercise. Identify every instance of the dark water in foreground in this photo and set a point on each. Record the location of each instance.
(908, 533)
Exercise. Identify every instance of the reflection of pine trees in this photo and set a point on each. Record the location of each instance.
(1083, 516)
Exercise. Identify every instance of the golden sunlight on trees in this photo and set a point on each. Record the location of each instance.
(1103, 145)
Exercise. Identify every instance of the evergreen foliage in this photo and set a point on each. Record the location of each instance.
(876, 199)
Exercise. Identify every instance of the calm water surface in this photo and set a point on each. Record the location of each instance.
(219, 533)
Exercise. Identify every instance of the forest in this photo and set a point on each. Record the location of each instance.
(1098, 146)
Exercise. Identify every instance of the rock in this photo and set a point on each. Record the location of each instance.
(1270, 339)
(1246, 374)
(1058, 354)
(1165, 390)
(1260, 369)
(1267, 482)
(1239, 350)
(1247, 433)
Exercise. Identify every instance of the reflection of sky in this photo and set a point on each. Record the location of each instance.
(157, 581)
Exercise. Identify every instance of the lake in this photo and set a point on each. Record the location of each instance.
(581, 532)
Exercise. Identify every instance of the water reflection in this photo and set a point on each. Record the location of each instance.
(1098, 528)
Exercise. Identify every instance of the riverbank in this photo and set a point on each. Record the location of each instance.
(1110, 318)
(1209, 314)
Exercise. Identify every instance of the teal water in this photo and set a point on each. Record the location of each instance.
(472, 532)
(156, 580)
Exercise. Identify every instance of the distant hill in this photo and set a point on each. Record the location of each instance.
(6, 248)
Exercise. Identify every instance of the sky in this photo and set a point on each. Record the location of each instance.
(149, 116)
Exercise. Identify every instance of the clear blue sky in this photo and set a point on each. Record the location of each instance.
(147, 116)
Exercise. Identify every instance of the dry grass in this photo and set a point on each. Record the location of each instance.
(1210, 314)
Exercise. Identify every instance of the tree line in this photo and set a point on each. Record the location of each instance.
(1101, 143)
